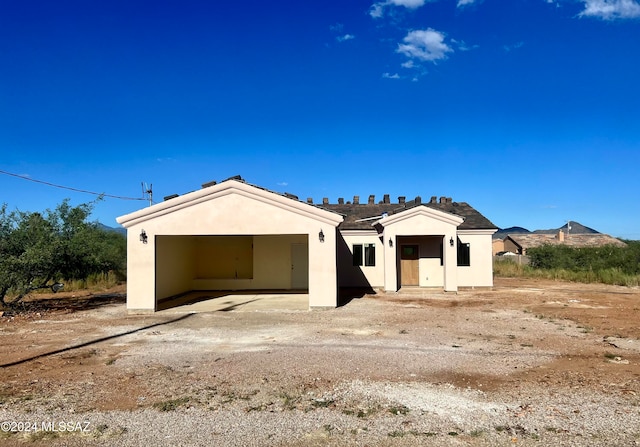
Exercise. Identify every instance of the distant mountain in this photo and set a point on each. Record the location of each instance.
(115, 230)
(576, 228)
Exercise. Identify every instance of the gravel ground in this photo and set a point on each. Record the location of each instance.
(527, 363)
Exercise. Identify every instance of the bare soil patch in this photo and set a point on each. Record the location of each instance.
(535, 362)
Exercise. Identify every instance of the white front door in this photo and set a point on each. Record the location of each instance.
(299, 266)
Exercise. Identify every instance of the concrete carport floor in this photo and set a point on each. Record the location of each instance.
(243, 301)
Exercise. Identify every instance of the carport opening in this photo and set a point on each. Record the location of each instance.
(191, 269)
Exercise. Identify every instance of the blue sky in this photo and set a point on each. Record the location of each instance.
(526, 109)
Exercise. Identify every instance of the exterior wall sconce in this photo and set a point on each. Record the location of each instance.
(390, 242)
(143, 237)
(321, 236)
(451, 242)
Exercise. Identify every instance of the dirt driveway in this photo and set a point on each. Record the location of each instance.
(530, 362)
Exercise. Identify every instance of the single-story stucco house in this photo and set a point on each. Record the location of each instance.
(236, 236)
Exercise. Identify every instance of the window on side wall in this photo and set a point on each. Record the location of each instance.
(357, 254)
(464, 254)
(364, 255)
(370, 255)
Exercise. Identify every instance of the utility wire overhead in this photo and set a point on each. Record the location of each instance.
(24, 177)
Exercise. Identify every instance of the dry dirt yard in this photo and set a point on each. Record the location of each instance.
(528, 363)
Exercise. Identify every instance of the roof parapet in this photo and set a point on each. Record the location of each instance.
(207, 184)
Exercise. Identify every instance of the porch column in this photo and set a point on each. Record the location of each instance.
(141, 272)
(390, 261)
(323, 269)
(450, 262)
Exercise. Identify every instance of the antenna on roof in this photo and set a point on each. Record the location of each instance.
(147, 192)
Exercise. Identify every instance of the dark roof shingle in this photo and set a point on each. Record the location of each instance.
(361, 216)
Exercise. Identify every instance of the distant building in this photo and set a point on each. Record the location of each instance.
(519, 243)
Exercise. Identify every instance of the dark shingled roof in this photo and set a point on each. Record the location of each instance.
(353, 213)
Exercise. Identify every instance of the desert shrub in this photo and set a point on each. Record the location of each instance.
(608, 264)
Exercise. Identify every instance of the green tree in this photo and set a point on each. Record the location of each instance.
(38, 248)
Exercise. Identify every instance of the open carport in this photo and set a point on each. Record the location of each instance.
(230, 236)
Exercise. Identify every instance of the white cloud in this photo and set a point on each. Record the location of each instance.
(462, 45)
(408, 64)
(515, 46)
(391, 76)
(345, 37)
(377, 9)
(611, 9)
(462, 3)
(282, 183)
(425, 45)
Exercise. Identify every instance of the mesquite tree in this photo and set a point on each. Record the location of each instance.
(39, 248)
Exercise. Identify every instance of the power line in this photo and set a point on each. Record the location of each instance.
(24, 177)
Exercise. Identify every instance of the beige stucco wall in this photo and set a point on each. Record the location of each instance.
(175, 264)
(360, 276)
(271, 266)
(415, 222)
(480, 272)
(231, 208)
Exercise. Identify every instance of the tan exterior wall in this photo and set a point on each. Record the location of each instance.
(174, 265)
(497, 246)
(480, 272)
(511, 246)
(360, 276)
(271, 266)
(223, 257)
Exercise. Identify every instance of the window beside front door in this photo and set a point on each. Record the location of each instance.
(364, 254)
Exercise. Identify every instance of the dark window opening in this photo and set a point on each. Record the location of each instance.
(464, 254)
(370, 255)
(357, 254)
(364, 255)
